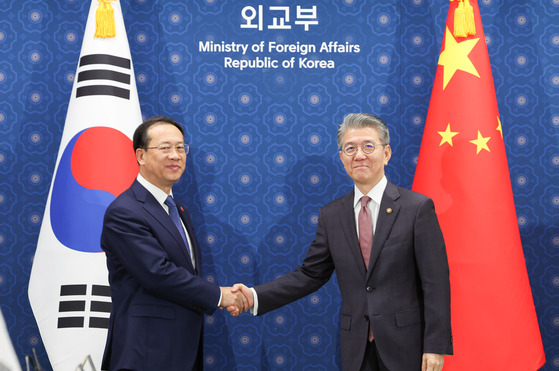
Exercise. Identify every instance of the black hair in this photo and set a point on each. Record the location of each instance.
(141, 138)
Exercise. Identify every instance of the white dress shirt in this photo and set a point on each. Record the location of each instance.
(374, 205)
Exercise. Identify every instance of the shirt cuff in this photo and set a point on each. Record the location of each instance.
(254, 309)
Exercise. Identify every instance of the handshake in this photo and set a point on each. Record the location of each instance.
(236, 299)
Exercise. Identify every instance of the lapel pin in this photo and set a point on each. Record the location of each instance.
(389, 210)
(182, 209)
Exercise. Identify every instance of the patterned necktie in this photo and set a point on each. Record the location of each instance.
(366, 238)
(174, 214)
(365, 230)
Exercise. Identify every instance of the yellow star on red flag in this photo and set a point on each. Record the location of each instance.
(455, 57)
(499, 127)
(481, 142)
(447, 136)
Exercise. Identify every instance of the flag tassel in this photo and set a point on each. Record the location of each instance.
(105, 20)
(464, 23)
(470, 21)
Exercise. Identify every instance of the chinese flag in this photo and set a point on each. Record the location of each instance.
(463, 167)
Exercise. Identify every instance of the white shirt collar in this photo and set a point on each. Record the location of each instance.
(157, 192)
(375, 193)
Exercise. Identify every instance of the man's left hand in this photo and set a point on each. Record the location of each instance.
(432, 362)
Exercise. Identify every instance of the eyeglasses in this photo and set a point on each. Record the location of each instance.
(182, 149)
(367, 148)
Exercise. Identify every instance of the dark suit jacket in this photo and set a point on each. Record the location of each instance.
(405, 293)
(159, 300)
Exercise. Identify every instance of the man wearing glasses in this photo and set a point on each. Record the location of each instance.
(158, 293)
(388, 251)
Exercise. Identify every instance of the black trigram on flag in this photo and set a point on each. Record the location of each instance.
(78, 309)
(113, 71)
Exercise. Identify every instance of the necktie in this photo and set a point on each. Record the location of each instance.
(365, 230)
(174, 214)
(366, 238)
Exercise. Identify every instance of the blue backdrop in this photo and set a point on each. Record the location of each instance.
(263, 154)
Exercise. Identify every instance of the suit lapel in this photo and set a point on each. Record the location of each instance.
(388, 212)
(153, 207)
(347, 221)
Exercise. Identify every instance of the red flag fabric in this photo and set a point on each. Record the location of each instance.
(463, 167)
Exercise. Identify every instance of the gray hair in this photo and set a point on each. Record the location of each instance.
(363, 120)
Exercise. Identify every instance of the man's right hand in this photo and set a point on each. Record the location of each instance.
(234, 302)
(246, 292)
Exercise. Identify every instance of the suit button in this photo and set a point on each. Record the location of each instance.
(369, 289)
(366, 317)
